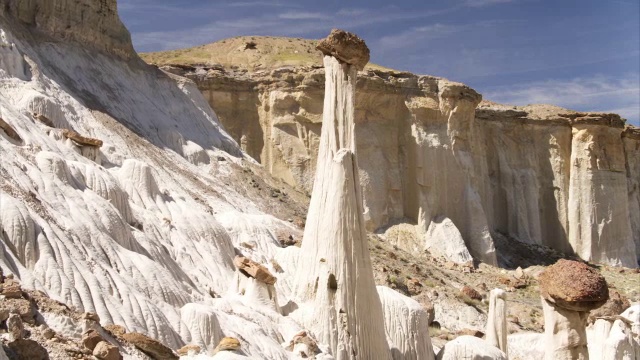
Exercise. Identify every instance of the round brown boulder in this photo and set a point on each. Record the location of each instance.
(346, 47)
(573, 286)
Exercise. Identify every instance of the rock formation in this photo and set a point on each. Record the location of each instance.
(9, 131)
(137, 237)
(142, 231)
(569, 290)
(497, 320)
(100, 27)
(494, 168)
(406, 323)
(227, 344)
(82, 140)
(337, 277)
(612, 339)
(599, 176)
(471, 348)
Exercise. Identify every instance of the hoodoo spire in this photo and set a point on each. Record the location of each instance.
(336, 272)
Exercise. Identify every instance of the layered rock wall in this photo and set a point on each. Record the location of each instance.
(427, 151)
(91, 23)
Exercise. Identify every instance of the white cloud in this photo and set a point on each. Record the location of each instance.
(255, 3)
(302, 15)
(482, 3)
(597, 93)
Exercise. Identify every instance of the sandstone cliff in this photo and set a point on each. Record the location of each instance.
(540, 174)
(93, 24)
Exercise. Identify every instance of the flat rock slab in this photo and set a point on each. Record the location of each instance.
(82, 140)
(346, 47)
(9, 131)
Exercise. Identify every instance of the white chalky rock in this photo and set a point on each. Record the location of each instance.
(337, 275)
(470, 348)
(497, 320)
(406, 325)
(444, 239)
(610, 339)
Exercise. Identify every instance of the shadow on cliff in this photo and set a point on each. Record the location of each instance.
(513, 253)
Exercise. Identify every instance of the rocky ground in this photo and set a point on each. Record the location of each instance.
(456, 297)
(458, 294)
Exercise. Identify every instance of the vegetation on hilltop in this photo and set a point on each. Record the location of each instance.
(247, 52)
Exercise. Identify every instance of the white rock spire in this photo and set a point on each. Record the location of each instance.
(497, 320)
(335, 273)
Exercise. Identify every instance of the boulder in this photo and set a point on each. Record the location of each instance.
(149, 346)
(346, 47)
(106, 351)
(573, 285)
(190, 349)
(22, 307)
(116, 330)
(28, 349)
(471, 293)
(227, 344)
(48, 333)
(91, 338)
(4, 314)
(11, 289)
(9, 131)
(444, 239)
(15, 327)
(254, 270)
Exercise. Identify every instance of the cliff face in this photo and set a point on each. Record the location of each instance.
(91, 23)
(428, 152)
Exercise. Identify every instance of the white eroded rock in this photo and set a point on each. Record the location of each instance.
(406, 325)
(338, 276)
(18, 230)
(601, 233)
(471, 348)
(444, 239)
(497, 320)
(610, 339)
(526, 346)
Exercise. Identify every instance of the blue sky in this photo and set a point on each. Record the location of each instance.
(580, 54)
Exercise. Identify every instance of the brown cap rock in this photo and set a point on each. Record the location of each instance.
(346, 47)
(573, 286)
